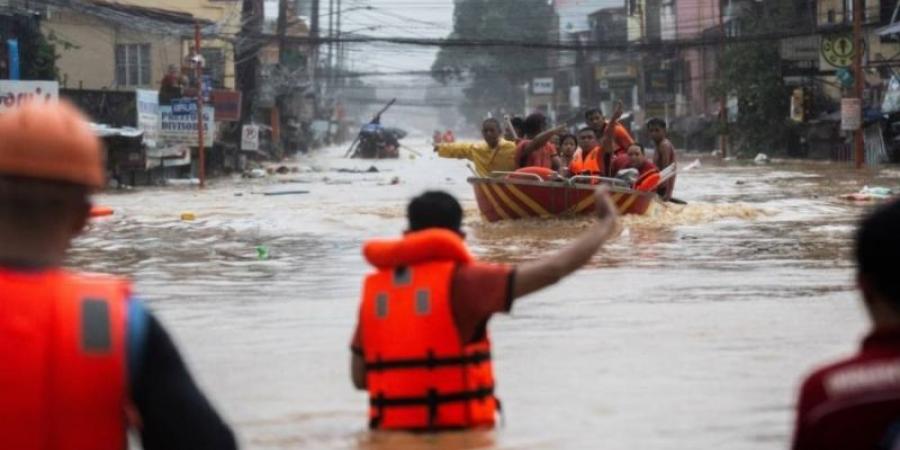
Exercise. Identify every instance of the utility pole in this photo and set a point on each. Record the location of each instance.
(282, 29)
(858, 139)
(339, 46)
(723, 111)
(198, 72)
(330, 42)
(314, 34)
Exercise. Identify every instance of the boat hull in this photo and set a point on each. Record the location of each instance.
(506, 199)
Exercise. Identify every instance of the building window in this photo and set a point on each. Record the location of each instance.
(133, 65)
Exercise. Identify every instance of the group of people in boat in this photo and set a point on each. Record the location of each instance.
(602, 149)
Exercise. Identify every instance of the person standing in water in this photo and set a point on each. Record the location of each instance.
(421, 347)
(664, 155)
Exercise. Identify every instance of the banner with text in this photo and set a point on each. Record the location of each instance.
(182, 128)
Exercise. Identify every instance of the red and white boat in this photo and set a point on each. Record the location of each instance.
(510, 196)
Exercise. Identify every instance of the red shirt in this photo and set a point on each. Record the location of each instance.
(620, 161)
(478, 291)
(852, 404)
(542, 157)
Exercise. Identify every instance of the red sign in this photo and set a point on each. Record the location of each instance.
(228, 105)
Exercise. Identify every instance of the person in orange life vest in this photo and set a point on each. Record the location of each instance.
(448, 137)
(620, 136)
(587, 160)
(81, 359)
(535, 149)
(421, 346)
(855, 403)
(664, 156)
(568, 145)
(648, 173)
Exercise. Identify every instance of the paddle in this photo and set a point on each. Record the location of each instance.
(670, 172)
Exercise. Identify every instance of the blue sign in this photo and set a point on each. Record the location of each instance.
(184, 106)
(13, 46)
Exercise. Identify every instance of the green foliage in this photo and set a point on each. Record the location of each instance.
(751, 71)
(495, 73)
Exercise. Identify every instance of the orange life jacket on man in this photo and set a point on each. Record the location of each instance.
(590, 165)
(419, 372)
(62, 361)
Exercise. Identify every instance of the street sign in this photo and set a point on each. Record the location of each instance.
(250, 137)
(851, 114)
(542, 86)
(184, 106)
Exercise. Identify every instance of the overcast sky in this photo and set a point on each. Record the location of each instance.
(415, 18)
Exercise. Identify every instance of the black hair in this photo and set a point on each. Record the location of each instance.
(493, 121)
(434, 209)
(518, 125)
(592, 111)
(640, 146)
(534, 124)
(588, 129)
(877, 247)
(656, 122)
(563, 138)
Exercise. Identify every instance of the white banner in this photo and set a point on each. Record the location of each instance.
(182, 128)
(148, 115)
(16, 92)
(250, 137)
(851, 114)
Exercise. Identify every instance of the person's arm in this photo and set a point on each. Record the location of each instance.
(556, 163)
(174, 414)
(358, 371)
(458, 150)
(540, 140)
(535, 275)
(609, 133)
(623, 137)
(357, 362)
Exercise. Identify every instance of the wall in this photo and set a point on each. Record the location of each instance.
(86, 46)
(226, 14)
(692, 17)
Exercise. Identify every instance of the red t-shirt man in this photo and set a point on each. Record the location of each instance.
(855, 403)
(542, 157)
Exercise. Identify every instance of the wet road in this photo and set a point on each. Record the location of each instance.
(691, 330)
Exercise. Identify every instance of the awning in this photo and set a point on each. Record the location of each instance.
(893, 28)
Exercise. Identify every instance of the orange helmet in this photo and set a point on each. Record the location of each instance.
(51, 141)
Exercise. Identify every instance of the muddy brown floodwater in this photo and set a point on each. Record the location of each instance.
(691, 330)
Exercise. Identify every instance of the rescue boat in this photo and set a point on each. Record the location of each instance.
(516, 195)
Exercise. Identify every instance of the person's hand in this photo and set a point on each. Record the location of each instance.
(618, 111)
(606, 211)
(560, 129)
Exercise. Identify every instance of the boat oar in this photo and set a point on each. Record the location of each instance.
(352, 146)
(410, 149)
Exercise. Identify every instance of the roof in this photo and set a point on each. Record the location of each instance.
(890, 29)
(155, 14)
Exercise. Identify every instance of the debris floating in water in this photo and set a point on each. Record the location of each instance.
(262, 252)
(187, 216)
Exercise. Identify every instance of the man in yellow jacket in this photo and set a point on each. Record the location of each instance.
(494, 154)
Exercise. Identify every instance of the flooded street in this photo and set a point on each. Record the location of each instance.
(692, 330)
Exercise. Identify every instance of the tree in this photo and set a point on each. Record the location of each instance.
(495, 75)
(751, 71)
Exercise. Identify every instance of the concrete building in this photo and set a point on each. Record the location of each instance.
(131, 43)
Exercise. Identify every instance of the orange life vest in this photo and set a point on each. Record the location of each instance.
(545, 173)
(419, 372)
(648, 180)
(590, 165)
(62, 361)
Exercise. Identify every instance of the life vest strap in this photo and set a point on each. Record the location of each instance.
(432, 398)
(428, 363)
